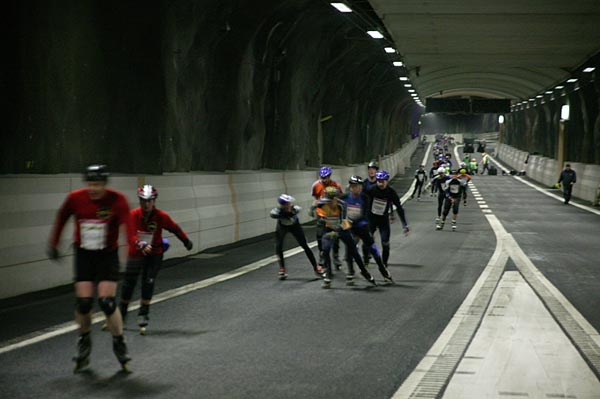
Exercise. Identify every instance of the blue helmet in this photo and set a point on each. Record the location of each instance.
(382, 175)
(285, 199)
(325, 171)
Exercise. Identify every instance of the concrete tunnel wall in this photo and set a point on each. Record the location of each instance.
(208, 85)
(213, 208)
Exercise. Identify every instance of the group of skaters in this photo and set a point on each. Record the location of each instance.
(99, 214)
(352, 216)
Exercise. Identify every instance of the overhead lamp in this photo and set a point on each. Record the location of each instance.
(539, 96)
(407, 85)
(531, 99)
(341, 7)
(403, 78)
(564, 113)
(398, 63)
(573, 80)
(549, 92)
(559, 87)
(501, 119)
(414, 94)
(589, 69)
(375, 34)
(411, 90)
(389, 50)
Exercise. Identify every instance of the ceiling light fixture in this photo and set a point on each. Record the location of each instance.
(389, 50)
(341, 7)
(589, 69)
(398, 63)
(375, 34)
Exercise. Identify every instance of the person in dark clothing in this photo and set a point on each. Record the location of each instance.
(453, 189)
(568, 177)
(420, 179)
(438, 182)
(381, 199)
(287, 222)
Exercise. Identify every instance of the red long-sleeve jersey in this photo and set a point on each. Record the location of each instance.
(150, 230)
(96, 221)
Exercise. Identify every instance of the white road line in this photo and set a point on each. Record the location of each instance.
(579, 329)
(541, 190)
(406, 196)
(64, 328)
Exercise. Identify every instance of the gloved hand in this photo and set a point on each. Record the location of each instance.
(557, 185)
(188, 244)
(52, 253)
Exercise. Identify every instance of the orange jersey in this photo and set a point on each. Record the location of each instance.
(318, 188)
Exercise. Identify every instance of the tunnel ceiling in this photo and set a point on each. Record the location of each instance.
(496, 49)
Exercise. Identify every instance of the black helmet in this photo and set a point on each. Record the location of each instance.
(96, 173)
(355, 180)
(373, 165)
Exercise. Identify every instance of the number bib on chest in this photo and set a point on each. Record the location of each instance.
(93, 234)
(354, 212)
(454, 188)
(420, 177)
(379, 206)
(146, 236)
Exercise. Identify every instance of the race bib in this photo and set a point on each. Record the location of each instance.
(454, 188)
(93, 234)
(379, 206)
(420, 177)
(333, 222)
(354, 212)
(145, 236)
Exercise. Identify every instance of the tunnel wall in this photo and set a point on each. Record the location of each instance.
(213, 208)
(203, 85)
(544, 170)
(536, 129)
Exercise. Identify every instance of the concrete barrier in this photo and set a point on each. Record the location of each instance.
(212, 208)
(543, 170)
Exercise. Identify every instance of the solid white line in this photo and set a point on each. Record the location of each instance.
(406, 196)
(64, 328)
(549, 194)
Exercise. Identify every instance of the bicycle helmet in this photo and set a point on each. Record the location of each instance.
(325, 171)
(147, 192)
(382, 175)
(355, 180)
(96, 173)
(285, 199)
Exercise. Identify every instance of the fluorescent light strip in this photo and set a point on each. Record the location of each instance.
(589, 69)
(375, 34)
(389, 50)
(572, 80)
(341, 7)
(403, 78)
(398, 63)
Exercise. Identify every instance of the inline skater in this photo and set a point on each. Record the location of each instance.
(438, 183)
(333, 213)
(146, 255)
(420, 179)
(287, 222)
(99, 212)
(453, 190)
(372, 168)
(381, 199)
(356, 201)
(317, 191)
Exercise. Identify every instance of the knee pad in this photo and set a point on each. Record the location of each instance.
(108, 305)
(84, 305)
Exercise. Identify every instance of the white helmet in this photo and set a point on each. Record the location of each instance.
(441, 170)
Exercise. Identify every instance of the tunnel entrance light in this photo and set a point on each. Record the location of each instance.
(375, 34)
(589, 69)
(341, 7)
(398, 63)
(403, 78)
(564, 113)
(389, 50)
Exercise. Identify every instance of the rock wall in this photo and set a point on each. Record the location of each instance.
(174, 86)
